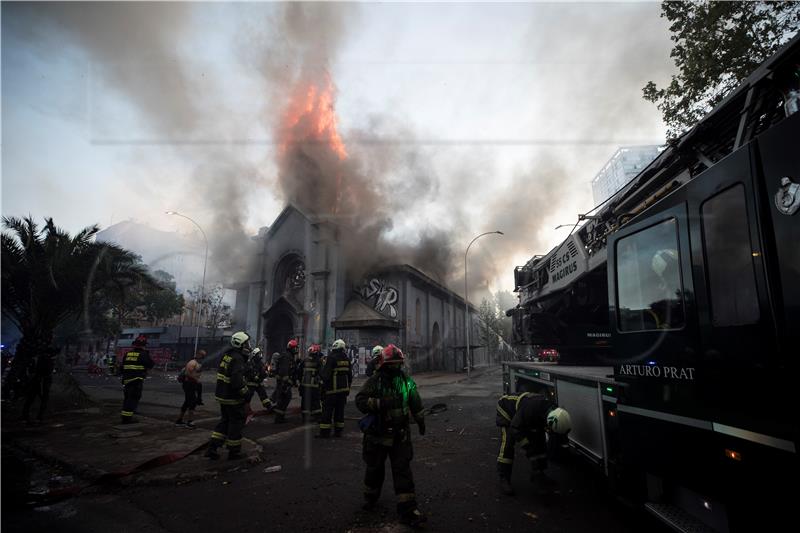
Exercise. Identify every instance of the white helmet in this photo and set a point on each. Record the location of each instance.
(377, 351)
(338, 344)
(662, 260)
(256, 352)
(559, 421)
(241, 340)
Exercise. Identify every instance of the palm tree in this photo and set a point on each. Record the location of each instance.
(49, 277)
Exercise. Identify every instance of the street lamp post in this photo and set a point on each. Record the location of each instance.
(466, 297)
(203, 285)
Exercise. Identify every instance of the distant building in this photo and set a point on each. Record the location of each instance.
(306, 292)
(170, 251)
(175, 343)
(623, 166)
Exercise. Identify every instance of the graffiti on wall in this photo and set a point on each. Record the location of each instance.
(385, 296)
(360, 343)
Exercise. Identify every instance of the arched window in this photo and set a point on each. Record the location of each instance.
(290, 278)
(418, 318)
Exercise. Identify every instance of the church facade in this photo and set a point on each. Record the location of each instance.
(304, 292)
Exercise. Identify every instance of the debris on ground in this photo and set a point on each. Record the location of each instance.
(269, 469)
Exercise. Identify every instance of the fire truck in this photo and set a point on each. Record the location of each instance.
(675, 310)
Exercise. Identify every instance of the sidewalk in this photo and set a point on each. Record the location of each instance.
(83, 442)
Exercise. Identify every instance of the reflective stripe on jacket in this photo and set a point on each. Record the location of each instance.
(135, 365)
(310, 373)
(337, 374)
(231, 386)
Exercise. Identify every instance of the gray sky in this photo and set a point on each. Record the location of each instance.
(463, 117)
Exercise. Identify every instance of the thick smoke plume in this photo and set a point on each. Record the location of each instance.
(372, 190)
(317, 172)
(134, 49)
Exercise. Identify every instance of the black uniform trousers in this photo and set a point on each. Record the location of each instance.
(262, 395)
(309, 400)
(399, 454)
(333, 413)
(533, 443)
(229, 429)
(133, 393)
(282, 396)
(189, 395)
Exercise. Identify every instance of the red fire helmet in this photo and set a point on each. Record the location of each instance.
(314, 348)
(292, 346)
(392, 355)
(141, 340)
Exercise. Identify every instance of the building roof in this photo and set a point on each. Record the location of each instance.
(357, 314)
(424, 278)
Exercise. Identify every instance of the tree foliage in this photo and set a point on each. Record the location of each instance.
(161, 301)
(717, 45)
(50, 278)
(213, 310)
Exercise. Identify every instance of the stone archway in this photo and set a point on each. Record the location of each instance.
(437, 354)
(280, 328)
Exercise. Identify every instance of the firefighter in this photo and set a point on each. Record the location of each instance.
(373, 362)
(284, 375)
(40, 378)
(231, 393)
(525, 418)
(256, 373)
(135, 365)
(335, 378)
(308, 376)
(390, 399)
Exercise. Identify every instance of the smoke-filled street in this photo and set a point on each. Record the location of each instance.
(319, 485)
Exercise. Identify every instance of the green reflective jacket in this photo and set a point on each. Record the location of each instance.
(394, 399)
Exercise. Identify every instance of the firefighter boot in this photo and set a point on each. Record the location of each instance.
(504, 484)
(413, 518)
(212, 453)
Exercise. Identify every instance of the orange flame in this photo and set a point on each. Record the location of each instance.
(311, 117)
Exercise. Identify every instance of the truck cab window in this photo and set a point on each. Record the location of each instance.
(729, 259)
(649, 289)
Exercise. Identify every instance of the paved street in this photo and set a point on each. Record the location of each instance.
(319, 485)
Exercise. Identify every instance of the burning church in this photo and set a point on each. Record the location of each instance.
(325, 268)
(306, 290)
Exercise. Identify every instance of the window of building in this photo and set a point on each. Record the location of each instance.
(729, 259)
(649, 288)
(418, 317)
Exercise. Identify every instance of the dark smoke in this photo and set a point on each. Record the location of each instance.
(134, 49)
(366, 190)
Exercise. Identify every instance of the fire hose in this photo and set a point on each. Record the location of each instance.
(59, 494)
